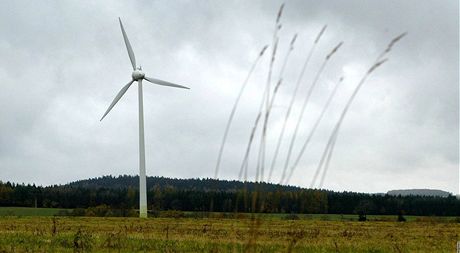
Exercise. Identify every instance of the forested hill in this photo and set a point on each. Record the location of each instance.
(121, 193)
(206, 184)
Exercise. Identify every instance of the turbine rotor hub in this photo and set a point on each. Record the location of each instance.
(138, 75)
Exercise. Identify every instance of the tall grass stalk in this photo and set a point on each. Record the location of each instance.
(313, 130)
(294, 95)
(232, 113)
(244, 165)
(328, 157)
(327, 153)
(275, 92)
(304, 105)
(261, 155)
(278, 84)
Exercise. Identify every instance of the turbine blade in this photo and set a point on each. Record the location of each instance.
(164, 83)
(119, 95)
(128, 46)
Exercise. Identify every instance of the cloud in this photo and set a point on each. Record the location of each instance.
(63, 62)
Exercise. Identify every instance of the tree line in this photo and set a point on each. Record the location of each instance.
(204, 195)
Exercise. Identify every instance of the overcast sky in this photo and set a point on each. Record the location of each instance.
(62, 63)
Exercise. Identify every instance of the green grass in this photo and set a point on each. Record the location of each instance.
(335, 217)
(29, 211)
(83, 234)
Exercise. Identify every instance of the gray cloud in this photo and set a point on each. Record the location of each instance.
(63, 62)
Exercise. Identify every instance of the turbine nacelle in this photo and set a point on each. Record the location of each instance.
(138, 74)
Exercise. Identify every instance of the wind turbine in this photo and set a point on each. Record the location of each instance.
(138, 76)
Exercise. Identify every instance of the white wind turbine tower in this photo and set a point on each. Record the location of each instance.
(138, 76)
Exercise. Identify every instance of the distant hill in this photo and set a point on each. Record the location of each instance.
(419, 192)
(195, 184)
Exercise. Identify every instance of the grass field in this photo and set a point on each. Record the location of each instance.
(267, 234)
(29, 211)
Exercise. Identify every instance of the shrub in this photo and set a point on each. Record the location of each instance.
(172, 214)
(82, 241)
(291, 216)
(64, 213)
(401, 217)
(78, 212)
(197, 215)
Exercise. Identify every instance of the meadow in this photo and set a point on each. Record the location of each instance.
(227, 233)
(29, 211)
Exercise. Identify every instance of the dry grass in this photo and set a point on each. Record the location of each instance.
(35, 234)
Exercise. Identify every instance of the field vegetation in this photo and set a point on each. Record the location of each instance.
(227, 233)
